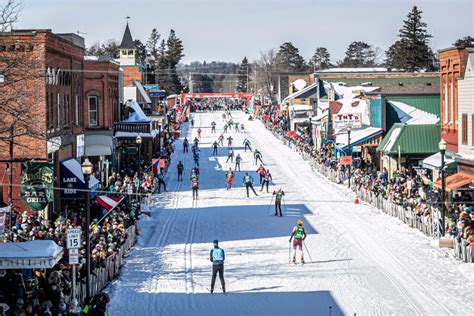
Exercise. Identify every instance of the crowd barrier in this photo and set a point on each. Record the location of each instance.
(423, 223)
(100, 277)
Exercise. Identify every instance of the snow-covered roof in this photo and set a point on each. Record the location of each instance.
(359, 69)
(356, 135)
(300, 92)
(36, 254)
(391, 141)
(300, 107)
(142, 91)
(346, 92)
(411, 115)
(433, 162)
(138, 115)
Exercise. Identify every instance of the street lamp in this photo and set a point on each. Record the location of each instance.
(138, 140)
(349, 151)
(87, 171)
(442, 150)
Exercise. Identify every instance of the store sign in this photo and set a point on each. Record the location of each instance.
(345, 160)
(80, 146)
(357, 149)
(343, 120)
(37, 184)
(4, 211)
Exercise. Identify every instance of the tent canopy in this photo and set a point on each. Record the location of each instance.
(36, 254)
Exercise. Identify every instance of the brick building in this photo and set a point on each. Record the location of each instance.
(49, 67)
(452, 66)
(101, 99)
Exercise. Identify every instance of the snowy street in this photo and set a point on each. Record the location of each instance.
(363, 261)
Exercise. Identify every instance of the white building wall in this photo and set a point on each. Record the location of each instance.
(130, 93)
(466, 106)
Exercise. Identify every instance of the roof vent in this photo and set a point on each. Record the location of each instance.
(400, 84)
(428, 83)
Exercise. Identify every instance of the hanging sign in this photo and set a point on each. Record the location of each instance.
(37, 184)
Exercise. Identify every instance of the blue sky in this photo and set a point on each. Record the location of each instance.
(227, 30)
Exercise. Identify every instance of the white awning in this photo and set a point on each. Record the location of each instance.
(98, 145)
(133, 134)
(36, 254)
(433, 162)
(357, 135)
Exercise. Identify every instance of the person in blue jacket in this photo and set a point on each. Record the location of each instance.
(217, 258)
(248, 182)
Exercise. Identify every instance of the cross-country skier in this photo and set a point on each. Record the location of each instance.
(229, 141)
(223, 117)
(299, 236)
(194, 173)
(196, 159)
(196, 142)
(248, 182)
(261, 172)
(230, 155)
(217, 258)
(185, 145)
(161, 181)
(229, 176)
(192, 122)
(267, 177)
(236, 127)
(258, 156)
(238, 159)
(214, 148)
(221, 140)
(278, 197)
(247, 145)
(180, 168)
(226, 125)
(213, 127)
(199, 133)
(195, 187)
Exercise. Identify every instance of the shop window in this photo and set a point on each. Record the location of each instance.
(93, 110)
(464, 129)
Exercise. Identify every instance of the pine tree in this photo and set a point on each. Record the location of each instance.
(359, 54)
(288, 59)
(153, 42)
(243, 76)
(161, 65)
(411, 52)
(140, 54)
(174, 54)
(321, 59)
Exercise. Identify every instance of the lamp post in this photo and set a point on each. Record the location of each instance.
(87, 171)
(442, 150)
(138, 140)
(349, 151)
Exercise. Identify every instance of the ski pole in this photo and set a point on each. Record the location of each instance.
(269, 206)
(289, 251)
(309, 255)
(284, 206)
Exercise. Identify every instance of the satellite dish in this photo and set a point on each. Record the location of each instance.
(299, 84)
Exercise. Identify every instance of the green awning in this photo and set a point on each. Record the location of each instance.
(411, 139)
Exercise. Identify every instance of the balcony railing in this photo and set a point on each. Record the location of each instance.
(135, 127)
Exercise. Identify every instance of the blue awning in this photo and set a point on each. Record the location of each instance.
(72, 180)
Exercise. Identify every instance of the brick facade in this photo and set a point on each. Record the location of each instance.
(53, 82)
(452, 66)
(101, 81)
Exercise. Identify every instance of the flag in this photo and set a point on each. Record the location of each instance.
(108, 202)
(299, 132)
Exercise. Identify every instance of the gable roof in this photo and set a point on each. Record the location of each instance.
(127, 40)
(412, 139)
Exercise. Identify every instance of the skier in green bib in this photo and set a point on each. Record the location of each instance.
(298, 235)
(278, 197)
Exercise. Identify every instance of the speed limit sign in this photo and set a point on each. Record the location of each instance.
(73, 238)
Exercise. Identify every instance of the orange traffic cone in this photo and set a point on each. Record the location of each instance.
(356, 201)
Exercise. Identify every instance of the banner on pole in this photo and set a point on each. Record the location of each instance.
(4, 211)
(37, 184)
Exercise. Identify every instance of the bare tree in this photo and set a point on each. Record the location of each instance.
(266, 68)
(9, 13)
